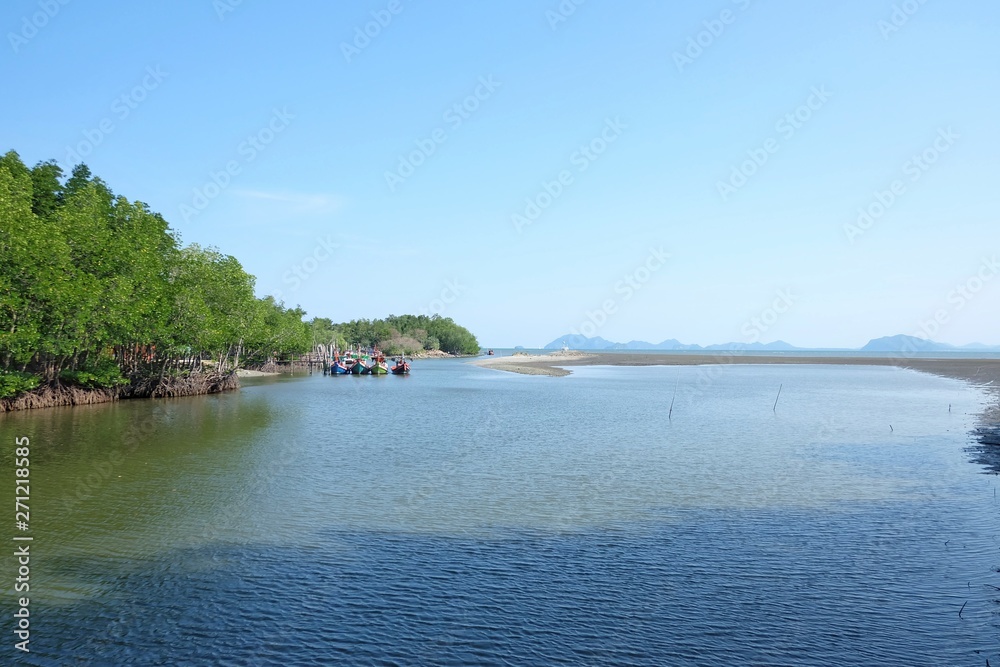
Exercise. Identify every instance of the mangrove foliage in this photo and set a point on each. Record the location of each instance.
(97, 292)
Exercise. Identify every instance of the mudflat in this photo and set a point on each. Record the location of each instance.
(981, 372)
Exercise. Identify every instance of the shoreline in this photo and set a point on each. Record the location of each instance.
(248, 373)
(983, 373)
(54, 396)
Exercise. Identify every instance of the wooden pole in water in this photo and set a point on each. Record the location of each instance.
(671, 412)
(775, 407)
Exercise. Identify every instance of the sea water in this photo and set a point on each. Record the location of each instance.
(461, 515)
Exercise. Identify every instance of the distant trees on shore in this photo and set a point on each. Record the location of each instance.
(398, 334)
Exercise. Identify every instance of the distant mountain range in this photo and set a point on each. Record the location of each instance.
(899, 343)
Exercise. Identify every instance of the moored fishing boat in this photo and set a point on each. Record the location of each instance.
(400, 367)
(360, 367)
(378, 365)
(337, 366)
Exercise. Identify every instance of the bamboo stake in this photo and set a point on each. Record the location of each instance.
(671, 411)
(775, 407)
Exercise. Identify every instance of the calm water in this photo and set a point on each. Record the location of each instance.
(465, 516)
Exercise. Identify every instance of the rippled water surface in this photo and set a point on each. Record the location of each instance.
(467, 516)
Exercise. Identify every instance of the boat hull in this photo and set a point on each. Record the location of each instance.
(379, 369)
(337, 368)
(401, 369)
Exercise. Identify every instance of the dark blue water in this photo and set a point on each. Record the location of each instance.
(800, 588)
(463, 516)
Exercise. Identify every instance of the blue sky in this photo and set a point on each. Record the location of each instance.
(642, 170)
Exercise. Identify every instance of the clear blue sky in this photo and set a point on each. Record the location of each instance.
(329, 121)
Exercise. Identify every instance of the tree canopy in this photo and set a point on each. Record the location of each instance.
(97, 289)
(88, 277)
(398, 334)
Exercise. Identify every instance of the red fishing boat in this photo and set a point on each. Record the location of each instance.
(400, 367)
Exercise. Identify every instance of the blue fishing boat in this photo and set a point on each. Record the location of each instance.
(338, 367)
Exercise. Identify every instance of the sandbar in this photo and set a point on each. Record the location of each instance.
(984, 373)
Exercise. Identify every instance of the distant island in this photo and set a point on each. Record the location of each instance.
(898, 343)
(903, 343)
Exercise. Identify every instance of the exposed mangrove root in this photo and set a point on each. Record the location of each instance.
(191, 385)
(50, 396)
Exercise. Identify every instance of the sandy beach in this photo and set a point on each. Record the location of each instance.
(980, 372)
